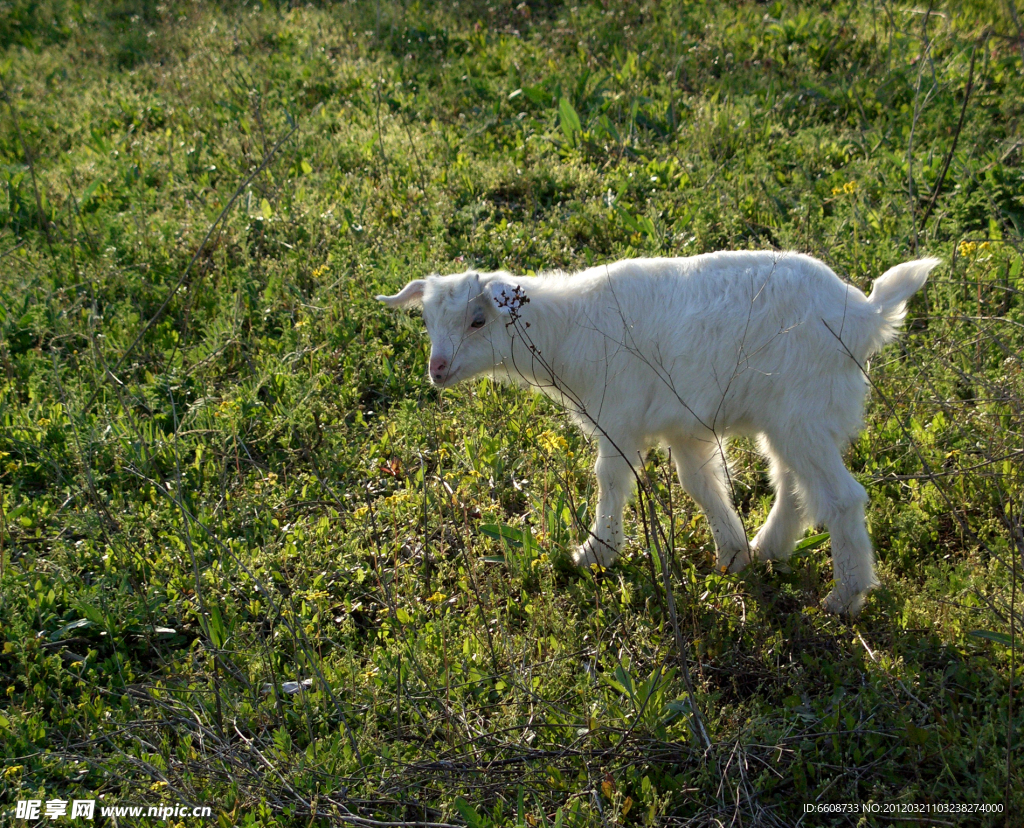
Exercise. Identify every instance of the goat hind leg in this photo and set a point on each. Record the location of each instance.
(834, 497)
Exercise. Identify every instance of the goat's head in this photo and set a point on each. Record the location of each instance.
(465, 315)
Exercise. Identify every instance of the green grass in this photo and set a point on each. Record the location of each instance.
(222, 468)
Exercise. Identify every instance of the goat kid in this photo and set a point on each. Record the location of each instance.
(687, 353)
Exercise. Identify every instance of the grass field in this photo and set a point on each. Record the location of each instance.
(250, 559)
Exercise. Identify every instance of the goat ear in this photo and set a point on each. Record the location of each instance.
(505, 295)
(411, 294)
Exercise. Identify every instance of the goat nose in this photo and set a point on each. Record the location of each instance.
(438, 365)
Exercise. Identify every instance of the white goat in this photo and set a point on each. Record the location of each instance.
(687, 353)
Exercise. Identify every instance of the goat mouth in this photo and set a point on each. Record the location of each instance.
(447, 380)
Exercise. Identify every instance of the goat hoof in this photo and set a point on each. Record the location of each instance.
(841, 602)
(775, 561)
(767, 553)
(594, 551)
(734, 561)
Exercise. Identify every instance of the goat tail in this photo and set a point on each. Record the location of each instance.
(888, 300)
(891, 290)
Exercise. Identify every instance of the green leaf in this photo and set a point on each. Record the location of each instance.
(306, 167)
(266, 209)
(283, 740)
(627, 218)
(647, 226)
(812, 542)
(569, 120)
(917, 735)
(502, 532)
(90, 191)
(617, 686)
(638, 224)
(992, 635)
(92, 613)
(799, 777)
(403, 615)
(537, 95)
(468, 812)
(74, 625)
(624, 680)
(218, 632)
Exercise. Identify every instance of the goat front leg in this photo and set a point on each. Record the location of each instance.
(775, 540)
(615, 480)
(704, 476)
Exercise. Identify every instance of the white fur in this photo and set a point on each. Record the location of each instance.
(687, 353)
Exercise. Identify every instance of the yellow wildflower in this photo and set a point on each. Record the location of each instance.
(552, 442)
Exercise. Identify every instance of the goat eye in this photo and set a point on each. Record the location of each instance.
(478, 322)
